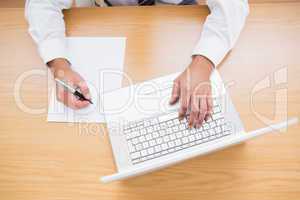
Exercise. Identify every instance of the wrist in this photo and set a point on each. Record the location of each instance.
(202, 63)
(59, 64)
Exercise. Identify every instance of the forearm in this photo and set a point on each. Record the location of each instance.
(47, 27)
(221, 28)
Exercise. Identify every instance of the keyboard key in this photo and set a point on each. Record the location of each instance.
(128, 136)
(155, 134)
(134, 141)
(126, 131)
(198, 141)
(171, 150)
(205, 126)
(170, 123)
(219, 122)
(205, 134)
(152, 143)
(227, 133)
(140, 124)
(151, 150)
(126, 126)
(163, 126)
(157, 148)
(179, 135)
(150, 129)
(146, 123)
(212, 124)
(135, 155)
(217, 109)
(142, 138)
(156, 127)
(177, 148)
(164, 146)
(154, 121)
(159, 140)
(176, 121)
(198, 136)
(169, 131)
(171, 144)
(186, 133)
(132, 125)
(191, 138)
(185, 140)
(177, 142)
(218, 129)
(172, 137)
(148, 137)
(175, 128)
(164, 152)
(130, 147)
(211, 132)
(217, 116)
(144, 152)
(139, 147)
(145, 145)
(143, 132)
(166, 138)
(182, 127)
(162, 133)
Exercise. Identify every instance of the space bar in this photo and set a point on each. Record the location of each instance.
(168, 116)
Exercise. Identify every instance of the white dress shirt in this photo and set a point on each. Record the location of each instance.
(219, 34)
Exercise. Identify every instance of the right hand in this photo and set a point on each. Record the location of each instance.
(61, 69)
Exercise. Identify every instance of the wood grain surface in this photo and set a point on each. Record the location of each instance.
(40, 160)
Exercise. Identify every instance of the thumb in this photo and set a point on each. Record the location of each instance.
(175, 93)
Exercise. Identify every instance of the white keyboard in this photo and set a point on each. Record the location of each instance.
(166, 134)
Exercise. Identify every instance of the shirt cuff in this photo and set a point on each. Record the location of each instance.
(213, 48)
(53, 48)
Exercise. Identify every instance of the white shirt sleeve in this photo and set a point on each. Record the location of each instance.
(221, 28)
(47, 26)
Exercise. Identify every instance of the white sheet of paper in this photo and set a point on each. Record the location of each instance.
(99, 60)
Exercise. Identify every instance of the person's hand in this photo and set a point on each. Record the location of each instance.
(193, 90)
(61, 69)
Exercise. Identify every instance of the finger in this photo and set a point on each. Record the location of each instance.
(73, 102)
(79, 103)
(203, 110)
(195, 110)
(84, 89)
(209, 107)
(175, 93)
(184, 102)
(70, 100)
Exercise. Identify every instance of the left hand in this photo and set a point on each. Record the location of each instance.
(193, 90)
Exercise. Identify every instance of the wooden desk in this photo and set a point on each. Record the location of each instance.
(40, 160)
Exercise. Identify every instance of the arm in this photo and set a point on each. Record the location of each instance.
(47, 28)
(221, 28)
(220, 32)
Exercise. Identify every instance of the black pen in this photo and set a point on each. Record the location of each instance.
(75, 92)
